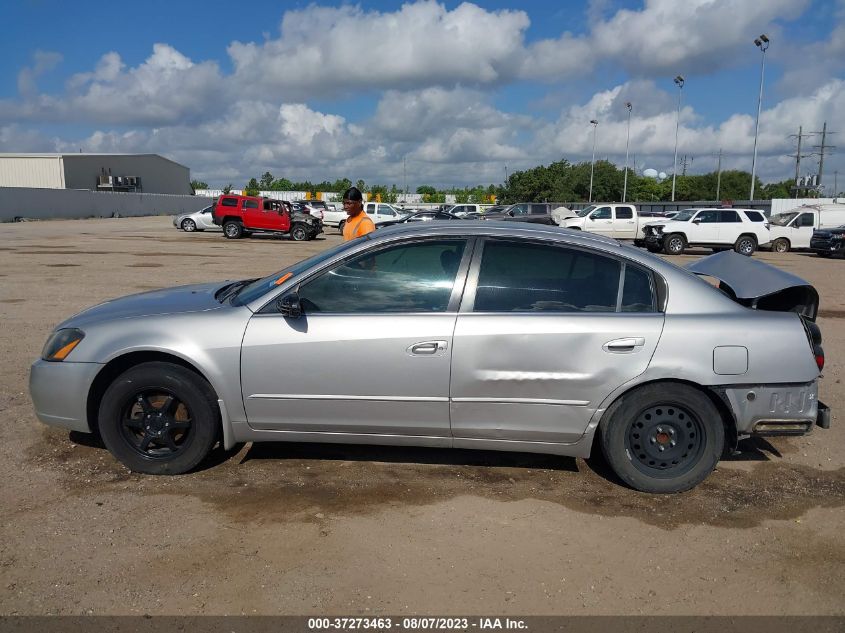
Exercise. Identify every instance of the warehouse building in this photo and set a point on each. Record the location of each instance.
(138, 173)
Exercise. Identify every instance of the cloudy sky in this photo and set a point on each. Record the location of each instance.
(461, 92)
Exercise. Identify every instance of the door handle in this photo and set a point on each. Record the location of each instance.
(624, 344)
(427, 348)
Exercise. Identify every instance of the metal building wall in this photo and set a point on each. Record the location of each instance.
(44, 172)
(158, 174)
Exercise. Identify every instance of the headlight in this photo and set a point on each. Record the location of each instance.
(61, 343)
(836, 237)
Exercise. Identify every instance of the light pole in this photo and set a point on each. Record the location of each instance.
(762, 43)
(679, 81)
(595, 125)
(627, 142)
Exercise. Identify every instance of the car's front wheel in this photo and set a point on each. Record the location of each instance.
(745, 245)
(188, 225)
(662, 438)
(159, 418)
(233, 230)
(299, 232)
(674, 244)
(780, 245)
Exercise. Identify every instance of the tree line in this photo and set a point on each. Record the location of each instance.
(560, 181)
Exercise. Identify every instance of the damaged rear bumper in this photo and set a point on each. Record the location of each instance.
(769, 410)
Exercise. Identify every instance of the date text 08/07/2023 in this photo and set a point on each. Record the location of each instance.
(414, 623)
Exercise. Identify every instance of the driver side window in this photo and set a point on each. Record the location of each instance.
(602, 213)
(416, 277)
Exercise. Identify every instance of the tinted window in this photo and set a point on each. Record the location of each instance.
(519, 209)
(538, 209)
(755, 216)
(730, 216)
(250, 204)
(637, 293)
(408, 278)
(602, 213)
(624, 213)
(707, 216)
(806, 219)
(526, 277)
(229, 202)
(206, 211)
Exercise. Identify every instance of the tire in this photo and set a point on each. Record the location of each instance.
(825, 255)
(746, 245)
(674, 244)
(653, 249)
(299, 232)
(341, 225)
(662, 438)
(159, 418)
(780, 245)
(233, 230)
(188, 225)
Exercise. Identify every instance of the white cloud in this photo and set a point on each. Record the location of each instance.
(42, 62)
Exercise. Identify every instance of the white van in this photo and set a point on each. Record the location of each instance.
(793, 229)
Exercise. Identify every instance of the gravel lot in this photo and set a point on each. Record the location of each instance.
(306, 529)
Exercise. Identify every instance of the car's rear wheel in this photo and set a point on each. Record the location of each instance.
(674, 244)
(299, 232)
(662, 438)
(233, 230)
(159, 418)
(780, 245)
(745, 245)
(188, 225)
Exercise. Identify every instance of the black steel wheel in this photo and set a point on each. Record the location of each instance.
(159, 418)
(662, 437)
(745, 245)
(299, 232)
(233, 230)
(780, 245)
(674, 244)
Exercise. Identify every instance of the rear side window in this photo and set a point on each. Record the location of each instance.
(624, 213)
(529, 277)
(250, 204)
(730, 216)
(229, 202)
(538, 209)
(755, 216)
(637, 291)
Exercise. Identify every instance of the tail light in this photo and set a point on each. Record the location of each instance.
(818, 352)
(814, 335)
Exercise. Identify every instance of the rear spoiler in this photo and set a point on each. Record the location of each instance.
(760, 286)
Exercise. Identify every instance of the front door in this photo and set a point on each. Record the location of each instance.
(704, 228)
(372, 351)
(600, 221)
(544, 336)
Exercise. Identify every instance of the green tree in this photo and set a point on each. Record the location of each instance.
(198, 184)
(426, 190)
(251, 188)
(228, 188)
(361, 185)
(281, 184)
(341, 185)
(266, 181)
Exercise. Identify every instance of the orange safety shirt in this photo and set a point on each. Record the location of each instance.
(358, 226)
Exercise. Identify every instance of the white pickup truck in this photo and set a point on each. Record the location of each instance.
(620, 221)
(794, 229)
(378, 211)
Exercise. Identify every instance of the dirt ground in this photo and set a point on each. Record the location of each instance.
(307, 529)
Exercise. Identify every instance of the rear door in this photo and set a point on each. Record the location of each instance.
(731, 227)
(545, 333)
(254, 215)
(624, 223)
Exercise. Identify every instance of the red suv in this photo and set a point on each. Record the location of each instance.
(241, 215)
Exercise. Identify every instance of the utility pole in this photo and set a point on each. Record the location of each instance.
(684, 164)
(821, 149)
(404, 180)
(719, 175)
(798, 155)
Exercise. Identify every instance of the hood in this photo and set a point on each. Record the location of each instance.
(756, 285)
(194, 298)
(837, 230)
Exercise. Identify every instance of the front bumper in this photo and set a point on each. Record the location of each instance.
(768, 410)
(59, 392)
(827, 245)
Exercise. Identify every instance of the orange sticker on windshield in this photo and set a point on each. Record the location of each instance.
(283, 279)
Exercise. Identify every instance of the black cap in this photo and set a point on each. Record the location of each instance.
(353, 193)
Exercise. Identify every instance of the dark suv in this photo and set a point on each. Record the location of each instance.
(534, 212)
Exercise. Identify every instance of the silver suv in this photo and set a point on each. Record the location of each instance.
(743, 230)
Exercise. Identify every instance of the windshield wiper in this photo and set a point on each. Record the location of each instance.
(232, 289)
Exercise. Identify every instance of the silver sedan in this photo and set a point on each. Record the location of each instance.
(202, 220)
(467, 335)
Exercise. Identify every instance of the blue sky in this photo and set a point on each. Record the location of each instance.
(459, 90)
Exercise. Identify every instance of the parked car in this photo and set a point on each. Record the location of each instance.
(483, 335)
(612, 220)
(531, 212)
(377, 211)
(720, 229)
(461, 210)
(794, 229)
(317, 208)
(202, 220)
(421, 216)
(241, 216)
(828, 242)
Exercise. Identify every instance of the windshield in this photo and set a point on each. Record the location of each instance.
(685, 215)
(586, 211)
(782, 219)
(260, 287)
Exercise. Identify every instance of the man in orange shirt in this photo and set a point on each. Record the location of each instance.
(358, 223)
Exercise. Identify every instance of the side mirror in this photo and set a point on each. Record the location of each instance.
(697, 221)
(289, 305)
(592, 219)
